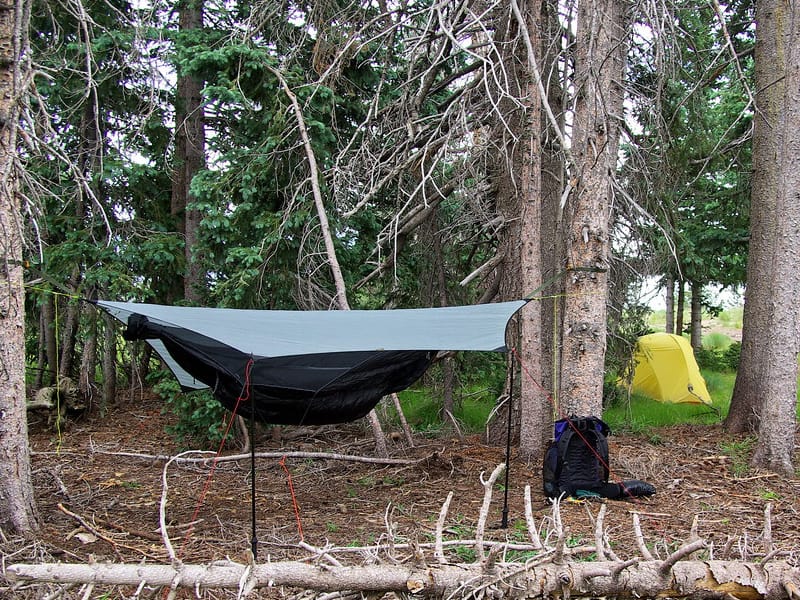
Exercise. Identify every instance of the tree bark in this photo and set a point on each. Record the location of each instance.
(17, 503)
(775, 448)
(88, 162)
(534, 430)
(448, 371)
(647, 579)
(69, 332)
(517, 178)
(599, 69)
(752, 377)
(518, 181)
(41, 356)
(679, 309)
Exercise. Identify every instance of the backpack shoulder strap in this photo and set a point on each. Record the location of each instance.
(601, 444)
(602, 431)
(563, 442)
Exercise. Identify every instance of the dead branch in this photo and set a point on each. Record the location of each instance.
(637, 531)
(768, 545)
(162, 510)
(484, 513)
(689, 579)
(599, 542)
(439, 552)
(267, 455)
(533, 531)
(403, 422)
(89, 528)
(96, 532)
(680, 553)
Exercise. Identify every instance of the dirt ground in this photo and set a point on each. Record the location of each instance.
(99, 494)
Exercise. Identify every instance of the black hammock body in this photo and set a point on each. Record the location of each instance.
(308, 367)
(309, 389)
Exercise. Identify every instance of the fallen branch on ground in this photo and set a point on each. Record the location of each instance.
(269, 455)
(686, 579)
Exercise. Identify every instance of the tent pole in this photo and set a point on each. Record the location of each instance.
(254, 538)
(504, 522)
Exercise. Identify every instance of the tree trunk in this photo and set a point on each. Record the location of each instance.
(689, 580)
(109, 361)
(89, 160)
(752, 378)
(599, 69)
(190, 148)
(534, 430)
(140, 365)
(448, 372)
(41, 356)
(696, 330)
(669, 302)
(49, 333)
(679, 309)
(553, 184)
(17, 504)
(775, 448)
(517, 178)
(86, 375)
(69, 332)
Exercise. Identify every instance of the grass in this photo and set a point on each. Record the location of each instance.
(730, 318)
(739, 451)
(640, 413)
(422, 409)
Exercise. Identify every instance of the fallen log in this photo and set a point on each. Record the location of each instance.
(690, 579)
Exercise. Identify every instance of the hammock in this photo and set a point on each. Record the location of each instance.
(308, 367)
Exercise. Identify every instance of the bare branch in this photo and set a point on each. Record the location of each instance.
(533, 531)
(488, 486)
(637, 532)
(680, 553)
(439, 552)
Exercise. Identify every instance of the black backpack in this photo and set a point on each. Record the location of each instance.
(577, 457)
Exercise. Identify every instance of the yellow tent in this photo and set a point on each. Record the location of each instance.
(667, 371)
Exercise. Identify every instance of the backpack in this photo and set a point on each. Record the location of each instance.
(570, 464)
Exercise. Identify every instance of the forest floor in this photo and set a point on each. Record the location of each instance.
(90, 472)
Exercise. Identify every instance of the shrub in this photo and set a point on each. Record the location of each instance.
(731, 356)
(200, 416)
(709, 359)
(721, 359)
